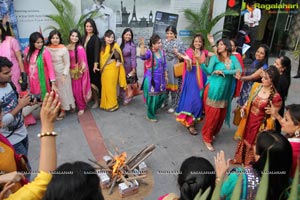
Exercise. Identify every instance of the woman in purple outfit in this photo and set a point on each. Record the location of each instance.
(129, 54)
(155, 76)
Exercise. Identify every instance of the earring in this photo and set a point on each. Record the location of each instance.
(297, 133)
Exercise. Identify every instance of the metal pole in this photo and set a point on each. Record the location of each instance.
(238, 28)
(275, 26)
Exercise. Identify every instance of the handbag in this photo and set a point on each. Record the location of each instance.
(178, 69)
(131, 79)
(22, 163)
(237, 116)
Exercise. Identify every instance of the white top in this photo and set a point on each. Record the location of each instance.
(106, 19)
(252, 21)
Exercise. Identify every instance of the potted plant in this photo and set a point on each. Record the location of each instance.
(202, 22)
(66, 18)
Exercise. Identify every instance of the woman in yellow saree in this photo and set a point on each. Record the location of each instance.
(112, 72)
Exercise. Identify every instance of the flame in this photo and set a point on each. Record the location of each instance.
(120, 161)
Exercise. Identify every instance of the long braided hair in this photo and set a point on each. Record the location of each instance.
(274, 75)
(153, 40)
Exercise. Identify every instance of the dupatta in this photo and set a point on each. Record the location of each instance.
(41, 73)
(269, 124)
(199, 73)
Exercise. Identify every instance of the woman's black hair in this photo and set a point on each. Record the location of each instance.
(265, 60)
(198, 35)
(76, 181)
(51, 34)
(228, 49)
(32, 39)
(294, 110)
(280, 161)
(93, 24)
(195, 173)
(153, 40)
(286, 63)
(123, 40)
(108, 33)
(274, 75)
(172, 29)
(3, 32)
(79, 42)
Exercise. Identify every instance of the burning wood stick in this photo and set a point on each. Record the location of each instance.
(96, 163)
(114, 147)
(136, 177)
(130, 159)
(141, 160)
(125, 180)
(110, 154)
(141, 155)
(112, 185)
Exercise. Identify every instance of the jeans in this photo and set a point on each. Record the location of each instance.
(22, 148)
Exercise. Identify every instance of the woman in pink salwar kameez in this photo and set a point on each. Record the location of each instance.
(38, 66)
(10, 48)
(81, 85)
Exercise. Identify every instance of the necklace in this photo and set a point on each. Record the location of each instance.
(227, 63)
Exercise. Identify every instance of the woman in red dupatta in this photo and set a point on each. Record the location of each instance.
(255, 118)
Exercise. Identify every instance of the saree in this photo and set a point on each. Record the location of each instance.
(111, 76)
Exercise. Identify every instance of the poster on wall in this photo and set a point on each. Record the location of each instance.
(118, 15)
(113, 14)
(32, 18)
(162, 21)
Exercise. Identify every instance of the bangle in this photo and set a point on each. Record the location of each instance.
(218, 179)
(40, 135)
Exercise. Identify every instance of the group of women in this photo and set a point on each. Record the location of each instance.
(73, 71)
(203, 88)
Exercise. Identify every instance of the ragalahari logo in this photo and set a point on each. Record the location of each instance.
(277, 6)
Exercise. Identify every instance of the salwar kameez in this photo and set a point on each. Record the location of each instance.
(190, 106)
(250, 126)
(81, 85)
(154, 84)
(219, 92)
(172, 86)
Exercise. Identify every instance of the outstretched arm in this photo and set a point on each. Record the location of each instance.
(48, 116)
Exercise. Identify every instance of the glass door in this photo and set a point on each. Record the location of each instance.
(275, 23)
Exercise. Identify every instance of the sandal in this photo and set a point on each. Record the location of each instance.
(113, 109)
(192, 130)
(95, 105)
(80, 112)
(209, 146)
(151, 120)
(234, 162)
(61, 116)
